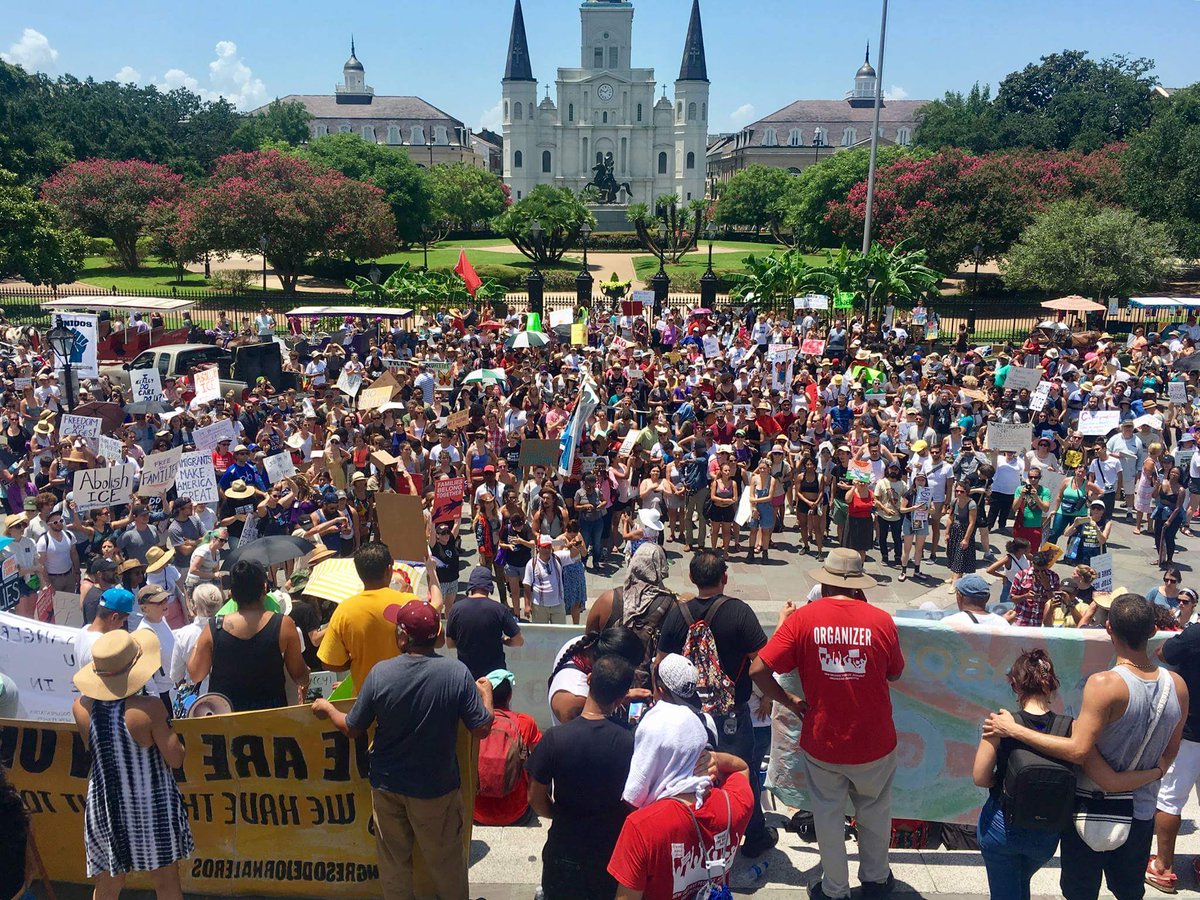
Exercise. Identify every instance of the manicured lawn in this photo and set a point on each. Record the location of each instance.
(153, 275)
(445, 256)
(697, 263)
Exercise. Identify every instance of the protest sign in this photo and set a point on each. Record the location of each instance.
(860, 471)
(249, 530)
(561, 317)
(84, 360)
(1051, 480)
(279, 466)
(745, 509)
(158, 472)
(619, 344)
(1103, 564)
(109, 448)
(84, 427)
(1177, 392)
(539, 453)
(208, 436)
(145, 385)
(459, 419)
(646, 298)
(578, 334)
(593, 465)
(813, 347)
(811, 301)
(781, 370)
(626, 445)
(374, 397)
(94, 488)
(844, 300)
(743, 412)
(924, 501)
(1014, 437)
(1037, 400)
(1098, 422)
(1019, 377)
(712, 347)
(443, 374)
(196, 477)
(349, 384)
(40, 659)
(208, 384)
(448, 499)
(402, 525)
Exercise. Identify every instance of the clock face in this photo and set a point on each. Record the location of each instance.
(605, 92)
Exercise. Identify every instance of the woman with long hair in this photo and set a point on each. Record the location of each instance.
(762, 520)
(487, 538)
(808, 505)
(722, 506)
(860, 524)
(914, 509)
(1169, 507)
(960, 542)
(1071, 501)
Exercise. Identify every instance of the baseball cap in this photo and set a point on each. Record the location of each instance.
(544, 540)
(100, 564)
(974, 586)
(117, 600)
(481, 579)
(150, 593)
(497, 676)
(418, 619)
(678, 675)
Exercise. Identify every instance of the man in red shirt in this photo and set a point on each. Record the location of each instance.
(845, 652)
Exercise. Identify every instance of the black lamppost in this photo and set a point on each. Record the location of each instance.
(818, 143)
(978, 250)
(708, 281)
(584, 280)
(375, 275)
(262, 245)
(535, 281)
(661, 282)
(62, 341)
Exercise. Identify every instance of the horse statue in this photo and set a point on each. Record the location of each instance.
(604, 185)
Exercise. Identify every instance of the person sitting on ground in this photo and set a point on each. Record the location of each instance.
(513, 808)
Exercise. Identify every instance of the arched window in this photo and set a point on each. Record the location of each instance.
(368, 133)
(903, 137)
(417, 135)
(518, 110)
(691, 112)
(518, 159)
(545, 160)
(849, 137)
(679, 111)
(639, 112)
(604, 117)
(322, 130)
(570, 112)
(393, 134)
(795, 138)
(662, 164)
(691, 160)
(440, 135)
(599, 157)
(344, 129)
(770, 137)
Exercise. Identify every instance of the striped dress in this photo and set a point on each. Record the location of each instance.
(134, 819)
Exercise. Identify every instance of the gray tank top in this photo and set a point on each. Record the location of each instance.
(1120, 741)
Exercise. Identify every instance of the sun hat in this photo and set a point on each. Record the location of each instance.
(14, 519)
(158, 557)
(418, 619)
(651, 519)
(150, 593)
(319, 556)
(678, 675)
(973, 586)
(122, 663)
(239, 490)
(296, 441)
(481, 579)
(842, 568)
(241, 448)
(43, 427)
(129, 565)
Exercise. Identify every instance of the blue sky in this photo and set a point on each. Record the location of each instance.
(762, 54)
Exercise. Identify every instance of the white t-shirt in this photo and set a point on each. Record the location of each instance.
(984, 618)
(571, 680)
(84, 640)
(545, 578)
(58, 553)
(160, 682)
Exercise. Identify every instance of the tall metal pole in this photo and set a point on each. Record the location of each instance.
(866, 246)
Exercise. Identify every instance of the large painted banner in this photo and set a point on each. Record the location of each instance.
(84, 358)
(953, 677)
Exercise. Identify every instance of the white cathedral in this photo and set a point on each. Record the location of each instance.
(606, 106)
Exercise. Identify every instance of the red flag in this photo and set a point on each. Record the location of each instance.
(466, 272)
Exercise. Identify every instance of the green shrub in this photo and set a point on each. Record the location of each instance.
(333, 269)
(236, 281)
(615, 240)
(688, 281)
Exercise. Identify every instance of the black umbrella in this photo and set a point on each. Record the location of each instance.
(148, 408)
(270, 551)
(1189, 363)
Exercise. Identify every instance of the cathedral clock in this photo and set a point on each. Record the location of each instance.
(605, 92)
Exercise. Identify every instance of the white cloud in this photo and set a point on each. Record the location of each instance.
(32, 52)
(743, 115)
(895, 92)
(493, 118)
(228, 77)
(128, 75)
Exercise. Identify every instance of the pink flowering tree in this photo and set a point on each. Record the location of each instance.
(110, 198)
(174, 232)
(272, 200)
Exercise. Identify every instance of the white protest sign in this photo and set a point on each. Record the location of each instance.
(196, 477)
(84, 361)
(1051, 480)
(109, 448)
(208, 436)
(1098, 421)
(94, 488)
(1019, 377)
(1177, 391)
(628, 443)
(208, 384)
(646, 298)
(1037, 400)
(349, 384)
(158, 472)
(1014, 437)
(745, 510)
(40, 659)
(1103, 564)
(249, 531)
(712, 347)
(279, 466)
(85, 427)
(562, 317)
(811, 301)
(21, 383)
(145, 385)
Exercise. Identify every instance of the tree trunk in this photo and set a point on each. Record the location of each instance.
(126, 247)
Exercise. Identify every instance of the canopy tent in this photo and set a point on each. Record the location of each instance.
(1165, 302)
(126, 304)
(386, 311)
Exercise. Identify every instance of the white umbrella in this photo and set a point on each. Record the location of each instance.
(481, 376)
(528, 339)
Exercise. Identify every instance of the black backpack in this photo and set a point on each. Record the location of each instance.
(1038, 791)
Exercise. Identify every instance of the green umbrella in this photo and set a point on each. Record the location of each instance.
(527, 339)
(482, 376)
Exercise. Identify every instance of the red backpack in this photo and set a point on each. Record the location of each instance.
(502, 756)
(713, 686)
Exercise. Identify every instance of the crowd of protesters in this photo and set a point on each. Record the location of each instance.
(711, 435)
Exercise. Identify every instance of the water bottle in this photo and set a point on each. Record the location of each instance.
(747, 879)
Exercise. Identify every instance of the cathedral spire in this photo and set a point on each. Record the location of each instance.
(694, 66)
(518, 67)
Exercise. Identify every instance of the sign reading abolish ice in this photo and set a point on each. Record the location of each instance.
(94, 488)
(208, 384)
(197, 477)
(145, 385)
(84, 362)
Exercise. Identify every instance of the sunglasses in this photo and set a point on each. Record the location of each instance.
(1170, 581)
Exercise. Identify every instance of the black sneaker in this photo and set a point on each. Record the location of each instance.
(879, 888)
(752, 849)
(816, 892)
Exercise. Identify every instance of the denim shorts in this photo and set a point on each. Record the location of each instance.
(514, 571)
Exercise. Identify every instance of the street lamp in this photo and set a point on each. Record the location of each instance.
(817, 144)
(661, 282)
(708, 281)
(535, 281)
(971, 313)
(870, 205)
(262, 245)
(584, 280)
(62, 341)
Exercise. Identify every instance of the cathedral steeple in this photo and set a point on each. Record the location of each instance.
(694, 66)
(518, 67)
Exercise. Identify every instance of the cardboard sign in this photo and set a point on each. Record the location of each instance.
(860, 471)
(620, 344)
(712, 347)
(924, 500)
(1015, 437)
(112, 486)
(643, 298)
(597, 465)
(349, 384)
(208, 384)
(1037, 400)
(401, 525)
(538, 453)
(109, 449)
(145, 385)
(197, 478)
(158, 472)
(84, 427)
(84, 359)
(250, 530)
(813, 347)
(1019, 377)
(844, 300)
(1103, 564)
(208, 436)
(375, 397)
(579, 334)
(21, 383)
(627, 444)
(448, 499)
(279, 466)
(1177, 392)
(561, 317)
(1098, 422)
(811, 301)
(459, 419)
(443, 374)
(383, 459)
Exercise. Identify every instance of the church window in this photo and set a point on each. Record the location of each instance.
(903, 137)
(604, 117)
(599, 58)
(393, 134)
(703, 112)
(441, 137)
(570, 112)
(368, 133)
(614, 57)
(770, 137)
(849, 137)
(518, 158)
(545, 160)
(662, 164)
(691, 160)
(322, 130)
(506, 109)
(639, 112)
(679, 111)
(518, 111)
(344, 129)
(599, 157)
(691, 112)
(795, 138)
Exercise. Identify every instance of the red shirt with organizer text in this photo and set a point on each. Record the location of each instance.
(845, 651)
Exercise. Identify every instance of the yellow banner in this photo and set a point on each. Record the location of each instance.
(278, 802)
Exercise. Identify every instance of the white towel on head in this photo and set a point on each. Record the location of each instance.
(666, 747)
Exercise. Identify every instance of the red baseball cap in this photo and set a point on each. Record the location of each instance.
(419, 620)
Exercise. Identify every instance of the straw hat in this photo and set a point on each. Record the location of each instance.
(43, 427)
(158, 557)
(14, 519)
(319, 556)
(842, 568)
(239, 490)
(122, 663)
(129, 565)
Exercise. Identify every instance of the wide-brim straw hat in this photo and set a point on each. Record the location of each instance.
(843, 568)
(239, 490)
(158, 557)
(129, 565)
(122, 663)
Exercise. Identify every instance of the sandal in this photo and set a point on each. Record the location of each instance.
(1163, 881)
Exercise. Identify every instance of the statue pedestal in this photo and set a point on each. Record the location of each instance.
(611, 217)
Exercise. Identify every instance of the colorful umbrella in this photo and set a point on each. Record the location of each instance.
(484, 376)
(527, 339)
(1074, 303)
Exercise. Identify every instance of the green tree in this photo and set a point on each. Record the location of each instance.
(959, 120)
(406, 186)
(175, 233)
(465, 196)
(559, 213)
(748, 198)
(34, 244)
(29, 147)
(1162, 169)
(682, 224)
(279, 121)
(1076, 247)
